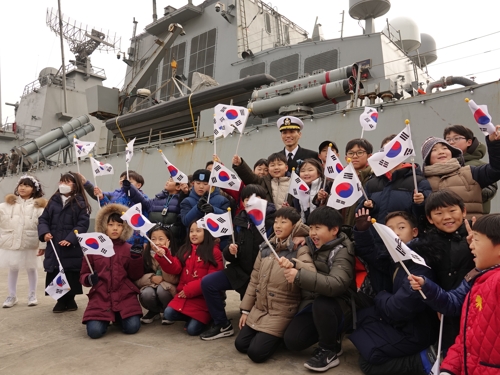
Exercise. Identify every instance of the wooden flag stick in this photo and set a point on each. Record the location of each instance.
(76, 156)
(238, 144)
(329, 147)
(414, 174)
(270, 246)
(409, 274)
(407, 122)
(57, 256)
(85, 255)
(349, 161)
(232, 232)
(438, 356)
(151, 242)
(98, 200)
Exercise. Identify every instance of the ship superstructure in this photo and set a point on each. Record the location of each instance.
(244, 52)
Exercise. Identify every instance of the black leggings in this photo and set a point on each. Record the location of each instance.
(259, 346)
(322, 325)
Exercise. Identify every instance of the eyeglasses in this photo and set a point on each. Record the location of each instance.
(350, 154)
(454, 139)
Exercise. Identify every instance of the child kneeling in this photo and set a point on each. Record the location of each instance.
(113, 294)
(270, 302)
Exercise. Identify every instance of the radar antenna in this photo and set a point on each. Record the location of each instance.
(82, 42)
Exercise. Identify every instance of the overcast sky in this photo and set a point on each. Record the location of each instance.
(27, 44)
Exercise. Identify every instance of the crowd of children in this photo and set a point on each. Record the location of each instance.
(322, 276)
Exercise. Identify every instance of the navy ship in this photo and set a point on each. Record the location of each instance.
(240, 52)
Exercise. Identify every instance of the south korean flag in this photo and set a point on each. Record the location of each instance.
(346, 189)
(175, 173)
(224, 177)
(217, 225)
(221, 127)
(59, 286)
(394, 152)
(100, 168)
(368, 119)
(333, 166)
(299, 189)
(83, 148)
(96, 244)
(232, 116)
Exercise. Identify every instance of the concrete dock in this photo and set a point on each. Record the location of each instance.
(33, 340)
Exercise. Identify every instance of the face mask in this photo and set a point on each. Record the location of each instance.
(64, 189)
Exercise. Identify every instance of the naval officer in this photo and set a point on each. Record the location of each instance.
(290, 128)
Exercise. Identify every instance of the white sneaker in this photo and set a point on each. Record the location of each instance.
(10, 301)
(32, 301)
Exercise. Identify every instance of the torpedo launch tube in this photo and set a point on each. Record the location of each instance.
(334, 85)
(55, 140)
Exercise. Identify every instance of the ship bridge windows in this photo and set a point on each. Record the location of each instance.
(285, 68)
(252, 70)
(202, 54)
(177, 53)
(327, 60)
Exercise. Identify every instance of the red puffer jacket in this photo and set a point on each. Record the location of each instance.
(194, 304)
(477, 348)
(115, 290)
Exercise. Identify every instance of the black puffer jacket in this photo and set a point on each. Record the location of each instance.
(248, 239)
(61, 221)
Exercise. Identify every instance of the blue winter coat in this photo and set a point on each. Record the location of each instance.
(189, 206)
(399, 324)
(396, 194)
(449, 302)
(61, 222)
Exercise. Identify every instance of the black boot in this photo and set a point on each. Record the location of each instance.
(59, 307)
(71, 304)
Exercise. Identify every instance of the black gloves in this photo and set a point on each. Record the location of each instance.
(207, 208)
(126, 184)
(93, 278)
(202, 202)
(204, 206)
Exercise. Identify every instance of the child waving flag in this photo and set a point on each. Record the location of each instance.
(175, 173)
(96, 244)
(393, 153)
(217, 225)
(346, 189)
(137, 220)
(482, 117)
(223, 177)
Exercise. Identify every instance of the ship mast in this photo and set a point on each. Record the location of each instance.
(62, 57)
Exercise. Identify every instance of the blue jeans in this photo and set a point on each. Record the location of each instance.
(97, 328)
(194, 327)
(212, 285)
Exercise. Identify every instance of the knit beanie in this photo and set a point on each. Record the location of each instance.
(431, 142)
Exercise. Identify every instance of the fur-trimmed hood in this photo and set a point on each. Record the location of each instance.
(38, 202)
(101, 219)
